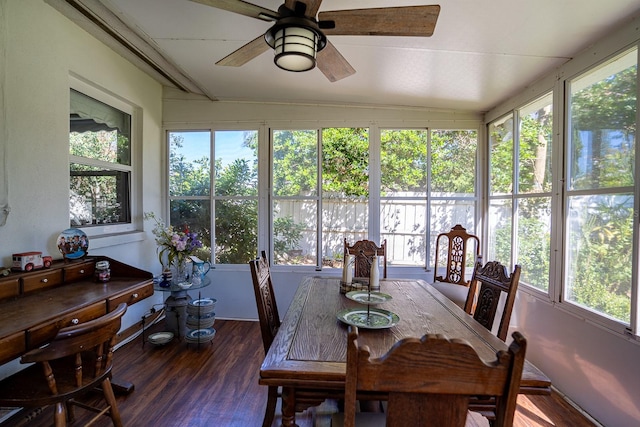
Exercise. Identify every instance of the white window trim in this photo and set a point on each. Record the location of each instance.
(109, 235)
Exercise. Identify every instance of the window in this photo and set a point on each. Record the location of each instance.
(592, 251)
(520, 192)
(295, 197)
(236, 196)
(322, 185)
(403, 198)
(190, 185)
(235, 191)
(345, 190)
(427, 186)
(100, 167)
(452, 190)
(600, 189)
(501, 179)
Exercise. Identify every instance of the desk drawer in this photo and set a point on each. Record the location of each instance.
(12, 346)
(9, 288)
(131, 297)
(79, 271)
(40, 281)
(46, 332)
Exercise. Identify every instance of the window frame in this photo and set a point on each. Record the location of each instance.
(104, 230)
(558, 84)
(266, 197)
(611, 324)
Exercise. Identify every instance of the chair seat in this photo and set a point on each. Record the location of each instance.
(456, 293)
(29, 388)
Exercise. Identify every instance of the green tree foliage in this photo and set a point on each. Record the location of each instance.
(97, 192)
(603, 262)
(403, 161)
(187, 178)
(236, 218)
(602, 257)
(501, 152)
(453, 161)
(534, 176)
(190, 179)
(295, 163)
(345, 162)
(534, 155)
(609, 104)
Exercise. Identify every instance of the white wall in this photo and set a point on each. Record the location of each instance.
(597, 369)
(41, 50)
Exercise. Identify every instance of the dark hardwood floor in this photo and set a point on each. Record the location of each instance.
(216, 384)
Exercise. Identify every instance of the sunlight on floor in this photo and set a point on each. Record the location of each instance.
(529, 414)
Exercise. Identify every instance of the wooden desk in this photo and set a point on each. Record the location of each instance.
(307, 357)
(37, 304)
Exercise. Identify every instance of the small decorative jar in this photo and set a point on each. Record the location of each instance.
(167, 278)
(103, 272)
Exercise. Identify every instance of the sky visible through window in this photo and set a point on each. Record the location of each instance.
(228, 146)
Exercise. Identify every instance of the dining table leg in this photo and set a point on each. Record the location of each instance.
(289, 407)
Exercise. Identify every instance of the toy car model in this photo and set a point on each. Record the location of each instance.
(27, 261)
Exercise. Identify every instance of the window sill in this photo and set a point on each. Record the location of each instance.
(106, 240)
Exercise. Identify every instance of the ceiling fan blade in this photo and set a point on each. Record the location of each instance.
(419, 21)
(243, 8)
(246, 53)
(332, 64)
(312, 6)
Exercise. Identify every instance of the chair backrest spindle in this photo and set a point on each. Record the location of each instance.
(364, 251)
(456, 255)
(487, 285)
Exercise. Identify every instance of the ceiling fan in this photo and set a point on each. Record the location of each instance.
(299, 39)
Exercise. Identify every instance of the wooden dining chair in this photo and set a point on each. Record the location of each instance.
(451, 255)
(364, 251)
(269, 325)
(488, 283)
(269, 320)
(430, 381)
(78, 360)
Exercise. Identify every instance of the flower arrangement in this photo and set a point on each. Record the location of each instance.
(174, 246)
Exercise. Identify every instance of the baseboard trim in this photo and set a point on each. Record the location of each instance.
(577, 407)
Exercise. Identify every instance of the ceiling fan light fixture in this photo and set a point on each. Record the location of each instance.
(295, 43)
(295, 49)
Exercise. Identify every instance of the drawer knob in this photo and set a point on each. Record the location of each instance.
(75, 321)
(134, 296)
(81, 271)
(44, 280)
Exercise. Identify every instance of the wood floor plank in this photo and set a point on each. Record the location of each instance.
(216, 384)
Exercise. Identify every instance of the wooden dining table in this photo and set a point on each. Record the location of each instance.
(308, 356)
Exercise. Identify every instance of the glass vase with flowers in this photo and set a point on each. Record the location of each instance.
(175, 248)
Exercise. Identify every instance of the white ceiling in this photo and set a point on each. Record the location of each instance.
(481, 53)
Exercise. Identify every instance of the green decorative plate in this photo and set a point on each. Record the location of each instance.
(366, 297)
(374, 318)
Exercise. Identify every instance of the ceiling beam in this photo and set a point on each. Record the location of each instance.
(102, 23)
